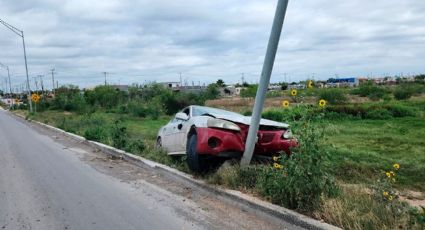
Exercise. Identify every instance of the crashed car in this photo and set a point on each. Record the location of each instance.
(202, 133)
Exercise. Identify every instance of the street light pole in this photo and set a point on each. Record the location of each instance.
(264, 81)
(26, 70)
(20, 33)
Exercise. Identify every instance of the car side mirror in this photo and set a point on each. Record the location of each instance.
(182, 116)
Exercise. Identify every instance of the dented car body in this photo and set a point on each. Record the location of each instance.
(201, 132)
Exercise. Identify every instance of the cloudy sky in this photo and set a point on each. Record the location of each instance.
(155, 40)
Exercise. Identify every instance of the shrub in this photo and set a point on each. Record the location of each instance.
(135, 146)
(370, 90)
(397, 110)
(303, 180)
(249, 91)
(96, 133)
(401, 94)
(119, 135)
(333, 96)
(379, 113)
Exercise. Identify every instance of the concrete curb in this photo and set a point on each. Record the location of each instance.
(233, 195)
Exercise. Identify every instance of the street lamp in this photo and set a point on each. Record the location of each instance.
(20, 33)
(10, 83)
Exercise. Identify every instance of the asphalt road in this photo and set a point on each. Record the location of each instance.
(48, 182)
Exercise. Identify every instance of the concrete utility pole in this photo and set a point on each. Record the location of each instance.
(20, 33)
(104, 73)
(36, 83)
(10, 82)
(264, 81)
(53, 80)
(41, 83)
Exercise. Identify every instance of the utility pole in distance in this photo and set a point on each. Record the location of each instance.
(41, 83)
(104, 73)
(264, 81)
(10, 82)
(53, 80)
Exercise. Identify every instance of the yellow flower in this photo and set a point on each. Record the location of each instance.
(277, 166)
(310, 84)
(322, 103)
(285, 103)
(396, 166)
(275, 158)
(294, 92)
(390, 198)
(35, 97)
(385, 194)
(388, 174)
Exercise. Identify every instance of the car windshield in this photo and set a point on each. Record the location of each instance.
(200, 110)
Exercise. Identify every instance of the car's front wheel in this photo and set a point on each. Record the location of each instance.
(196, 162)
(158, 143)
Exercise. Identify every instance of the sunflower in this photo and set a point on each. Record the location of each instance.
(385, 194)
(285, 103)
(388, 174)
(275, 158)
(322, 103)
(277, 166)
(294, 92)
(390, 198)
(35, 97)
(396, 166)
(310, 84)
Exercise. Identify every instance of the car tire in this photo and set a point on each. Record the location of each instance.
(158, 143)
(197, 163)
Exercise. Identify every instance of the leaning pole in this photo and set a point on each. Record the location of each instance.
(264, 81)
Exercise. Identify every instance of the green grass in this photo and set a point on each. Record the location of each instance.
(362, 148)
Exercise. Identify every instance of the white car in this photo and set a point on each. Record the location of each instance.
(201, 132)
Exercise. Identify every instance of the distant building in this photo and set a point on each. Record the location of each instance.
(171, 85)
(121, 87)
(228, 91)
(341, 82)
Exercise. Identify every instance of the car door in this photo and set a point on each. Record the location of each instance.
(181, 131)
(166, 135)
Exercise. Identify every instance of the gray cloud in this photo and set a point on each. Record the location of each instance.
(147, 40)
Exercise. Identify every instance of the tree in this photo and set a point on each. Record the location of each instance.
(220, 83)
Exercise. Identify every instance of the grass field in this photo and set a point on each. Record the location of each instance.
(360, 151)
(363, 148)
(359, 148)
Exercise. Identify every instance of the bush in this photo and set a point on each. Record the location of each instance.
(379, 114)
(405, 91)
(119, 135)
(135, 146)
(303, 180)
(370, 90)
(397, 110)
(333, 96)
(96, 133)
(249, 91)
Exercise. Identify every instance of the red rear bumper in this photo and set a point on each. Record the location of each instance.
(214, 141)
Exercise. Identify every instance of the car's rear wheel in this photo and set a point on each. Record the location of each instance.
(196, 162)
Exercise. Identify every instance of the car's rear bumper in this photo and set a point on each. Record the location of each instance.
(217, 142)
